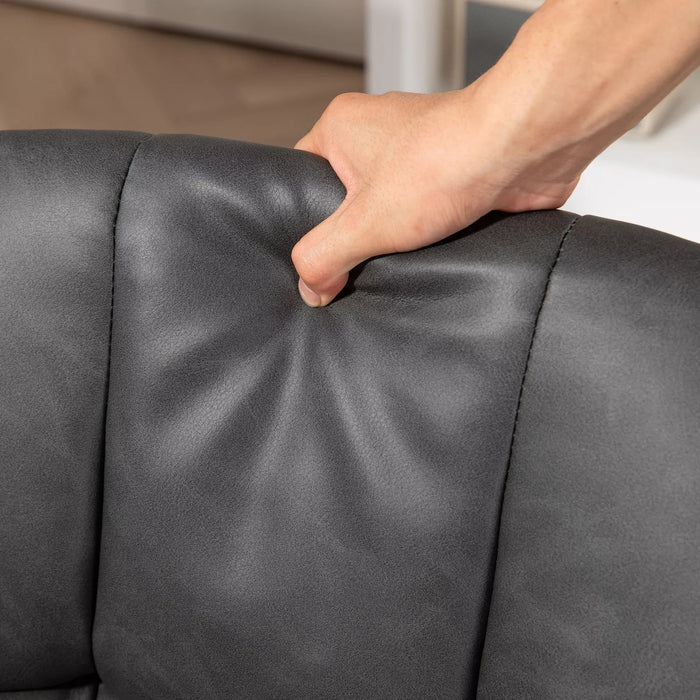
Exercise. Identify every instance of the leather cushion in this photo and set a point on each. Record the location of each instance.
(597, 590)
(301, 502)
(58, 198)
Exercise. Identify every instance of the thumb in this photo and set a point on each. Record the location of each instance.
(325, 255)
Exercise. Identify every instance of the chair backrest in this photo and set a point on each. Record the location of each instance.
(475, 473)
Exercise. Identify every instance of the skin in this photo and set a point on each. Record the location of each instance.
(418, 168)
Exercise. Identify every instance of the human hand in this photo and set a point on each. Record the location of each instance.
(416, 169)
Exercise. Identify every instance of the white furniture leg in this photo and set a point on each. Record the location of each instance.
(415, 45)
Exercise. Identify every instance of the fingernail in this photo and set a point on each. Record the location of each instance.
(308, 295)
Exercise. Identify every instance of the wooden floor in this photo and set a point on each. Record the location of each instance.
(65, 71)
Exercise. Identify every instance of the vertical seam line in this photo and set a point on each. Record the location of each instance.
(569, 228)
(535, 327)
(114, 257)
(100, 492)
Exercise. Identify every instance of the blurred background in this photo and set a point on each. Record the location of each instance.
(264, 70)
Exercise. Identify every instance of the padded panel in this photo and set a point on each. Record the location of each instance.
(301, 502)
(58, 198)
(597, 591)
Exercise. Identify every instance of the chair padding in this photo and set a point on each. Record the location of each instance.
(597, 591)
(474, 473)
(301, 502)
(58, 200)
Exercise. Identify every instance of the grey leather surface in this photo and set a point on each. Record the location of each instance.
(306, 503)
(300, 502)
(597, 590)
(58, 197)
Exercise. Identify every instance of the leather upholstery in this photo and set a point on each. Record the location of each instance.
(58, 199)
(475, 473)
(597, 591)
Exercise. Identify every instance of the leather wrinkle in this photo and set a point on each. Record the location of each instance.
(545, 289)
(100, 505)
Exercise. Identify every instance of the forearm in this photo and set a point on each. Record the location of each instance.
(582, 72)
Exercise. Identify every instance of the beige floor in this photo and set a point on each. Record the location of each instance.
(65, 71)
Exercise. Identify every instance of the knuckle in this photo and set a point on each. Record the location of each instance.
(348, 97)
(344, 101)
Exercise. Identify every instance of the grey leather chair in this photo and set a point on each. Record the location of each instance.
(476, 473)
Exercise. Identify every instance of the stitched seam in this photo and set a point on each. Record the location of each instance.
(535, 327)
(527, 360)
(114, 253)
(100, 508)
